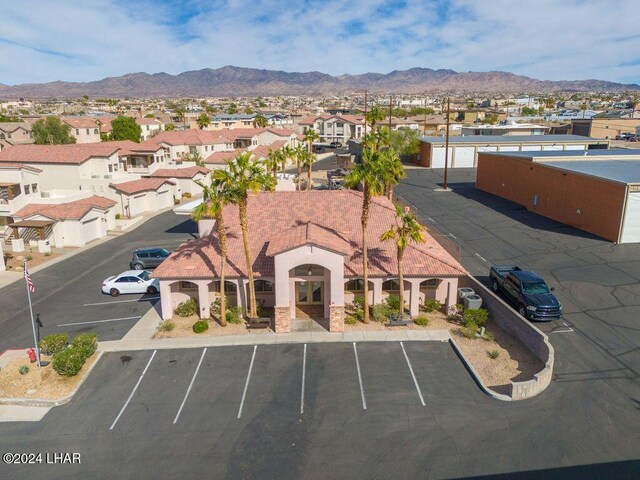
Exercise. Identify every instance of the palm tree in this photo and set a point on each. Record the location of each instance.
(370, 175)
(374, 116)
(241, 176)
(307, 158)
(181, 113)
(214, 198)
(272, 162)
(299, 153)
(393, 170)
(261, 121)
(203, 121)
(287, 154)
(310, 136)
(406, 230)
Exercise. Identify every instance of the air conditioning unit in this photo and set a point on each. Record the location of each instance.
(45, 194)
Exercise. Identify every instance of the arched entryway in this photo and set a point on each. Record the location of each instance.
(310, 298)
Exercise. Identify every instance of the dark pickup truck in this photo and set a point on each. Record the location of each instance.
(527, 291)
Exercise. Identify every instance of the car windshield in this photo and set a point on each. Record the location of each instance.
(164, 252)
(535, 288)
(144, 275)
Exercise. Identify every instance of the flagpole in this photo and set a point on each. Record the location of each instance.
(33, 324)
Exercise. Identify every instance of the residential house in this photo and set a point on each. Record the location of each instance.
(150, 127)
(19, 184)
(136, 197)
(83, 129)
(306, 260)
(185, 178)
(604, 127)
(334, 128)
(15, 133)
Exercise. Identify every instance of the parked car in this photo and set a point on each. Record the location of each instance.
(527, 291)
(624, 136)
(145, 258)
(131, 281)
(335, 144)
(634, 139)
(318, 149)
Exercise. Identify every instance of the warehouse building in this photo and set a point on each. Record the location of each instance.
(597, 191)
(463, 151)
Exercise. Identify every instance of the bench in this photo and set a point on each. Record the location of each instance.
(396, 320)
(259, 322)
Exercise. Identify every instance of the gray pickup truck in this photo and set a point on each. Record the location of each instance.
(527, 291)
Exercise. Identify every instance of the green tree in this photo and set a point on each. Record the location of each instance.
(214, 198)
(149, 115)
(181, 113)
(241, 176)
(272, 162)
(528, 111)
(194, 157)
(203, 121)
(310, 136)
(405, 141)
(169, 127)
(370, 175)
(261, 121)
(406, 230)
(393, 170)
(299, 155)
(248, 110)
(374, 116)
(4, 118)
(232, 109)
(51, 131)
(125, 128)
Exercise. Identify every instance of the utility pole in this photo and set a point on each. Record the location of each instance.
(446, 146)
(390, 111)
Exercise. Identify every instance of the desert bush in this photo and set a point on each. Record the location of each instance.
(350, 320)
(493, 354)
(24, 369)
(118, 216)
(432, 305)
(488, 336)
(358, 302)
(186, 195)
(167, 326)
(393, 302)
(470, 330)
(200, 326)
(69, 361)
(88, 342)
(381, 312)
(477, 317)
(29, 258)
(187, 308)
(215, 306)
(421, 320)
(235, 314)
(54, 343)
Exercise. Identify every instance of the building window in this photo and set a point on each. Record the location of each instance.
(27, 189)
(355, 285)
(34, 187)
(110, 168)
(309, 271)
(431, 283)
(77, 131)
(263, 286)
(95, 131)
(391, 285)
(88, 131)
(229, 287)
(186, 286)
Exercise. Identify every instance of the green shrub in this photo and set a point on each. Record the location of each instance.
(24, 369)
(421, 320)
(235, 314)
(393, 302)
(69, 362)
(29, 258)
(118, 216)
(493, 354)
(350, 320)
(186, 195)
(470, 330)
(47, 254)
(215, 306)
(88, 342)
(187, 308)
(381, 312)
(260, 308)
(167, 326)
(488, 336)
(432, 305)
(54, 343)
(358, 302)
(200, 326)
(478, 317)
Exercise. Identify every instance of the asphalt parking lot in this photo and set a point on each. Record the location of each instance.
(68, 296)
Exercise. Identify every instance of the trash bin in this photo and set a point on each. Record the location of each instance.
(464, 291)
(472, 302)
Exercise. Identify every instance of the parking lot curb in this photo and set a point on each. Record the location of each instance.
(42, 402)
(474, 374)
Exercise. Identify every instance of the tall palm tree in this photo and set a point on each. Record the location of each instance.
(287, 154)
(300, 153)
(260, 121)
(272, 162)
(214, 198)
(393, 170)
(406, 230)
(370, 175)
(307, 158)
(310, 136)
(203, 121)
(241, 176)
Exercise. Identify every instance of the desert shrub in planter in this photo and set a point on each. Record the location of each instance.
(118, 216)
(393, 302)
(493, 354)
(88, 342)
(167, 326)
(54, 343)
(187, 308)
(350, 320)
(477, 317)
(24, 369)
(200, 326)
(69, 362)
(381, 312)
(432, 305)
(470, 330)
(488, 336)
(235, 314)
(421, 320)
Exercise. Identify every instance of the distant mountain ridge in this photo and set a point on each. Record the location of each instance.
(238, 81)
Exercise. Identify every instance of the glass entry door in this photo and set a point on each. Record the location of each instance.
(310, 293)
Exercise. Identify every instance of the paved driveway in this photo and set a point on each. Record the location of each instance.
(68, 296)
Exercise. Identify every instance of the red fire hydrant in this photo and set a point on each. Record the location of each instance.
(32, 355)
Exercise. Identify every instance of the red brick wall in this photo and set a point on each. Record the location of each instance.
(425, 154)
(584, 202)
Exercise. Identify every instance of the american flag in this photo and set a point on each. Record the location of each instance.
(27, 279)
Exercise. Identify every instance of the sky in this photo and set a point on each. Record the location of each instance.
(44, 40)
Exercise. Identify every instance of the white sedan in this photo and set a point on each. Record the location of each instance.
(131, 281)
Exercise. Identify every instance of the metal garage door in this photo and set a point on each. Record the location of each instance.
(552, 147)
(465, 157)
(531, 148)
(631, 223)
(164, 200)
(89, 230)
(437, 158)
(487, 149)
(576, 147)
(509, 149)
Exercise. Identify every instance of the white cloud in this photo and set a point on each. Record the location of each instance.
(547, 39)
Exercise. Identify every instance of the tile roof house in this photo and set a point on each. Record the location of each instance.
(144, 195)
(185, 178)
(83, 129)
(15, 133)
(334, 128)
(306, 254)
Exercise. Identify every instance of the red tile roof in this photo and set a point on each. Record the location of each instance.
(335, 216)
(66, 154)
(148, 121)
(220, 158)
(142, 185)
(309, 234)
(262, 151)
(80, 122)
(65, 211)
(19, 166)
(192, 137)
(186, 172)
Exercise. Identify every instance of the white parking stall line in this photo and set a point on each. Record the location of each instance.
(364, 401)
(246, 384)
(186, 395)
(133, 391)
(120, 301)
(567, 330)
(99, 321)
(452, 235)
(304, 369)
(481, 257)
(413, 375)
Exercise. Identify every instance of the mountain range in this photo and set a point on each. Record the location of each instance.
(236, 81)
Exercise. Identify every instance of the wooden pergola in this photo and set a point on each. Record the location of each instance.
(39, 225)
(9, 188)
